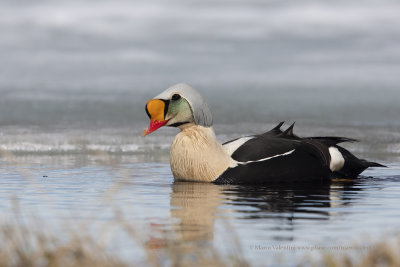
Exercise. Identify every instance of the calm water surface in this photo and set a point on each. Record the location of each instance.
(98, 190)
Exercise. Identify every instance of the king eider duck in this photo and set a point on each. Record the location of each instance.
(272, 157)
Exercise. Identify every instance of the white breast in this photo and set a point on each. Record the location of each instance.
(197, 156)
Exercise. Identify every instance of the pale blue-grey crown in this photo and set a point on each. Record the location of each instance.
(201, 111)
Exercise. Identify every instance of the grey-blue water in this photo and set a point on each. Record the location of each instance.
(75, 75)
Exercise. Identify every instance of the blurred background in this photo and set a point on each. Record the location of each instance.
(88, 64)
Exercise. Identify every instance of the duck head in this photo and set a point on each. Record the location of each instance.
(178, 105)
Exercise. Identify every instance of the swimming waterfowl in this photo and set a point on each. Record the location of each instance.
(272, 157)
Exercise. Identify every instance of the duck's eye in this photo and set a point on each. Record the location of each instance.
(176, 97)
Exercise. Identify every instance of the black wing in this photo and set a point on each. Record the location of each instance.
(283, 156)
(275, 142)
(298, 166)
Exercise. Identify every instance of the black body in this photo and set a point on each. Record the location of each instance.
(306, 159)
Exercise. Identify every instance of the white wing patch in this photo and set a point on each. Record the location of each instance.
(337, 160)
(264, 159)
(231, 147)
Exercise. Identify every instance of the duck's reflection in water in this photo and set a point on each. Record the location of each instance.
(197, 206)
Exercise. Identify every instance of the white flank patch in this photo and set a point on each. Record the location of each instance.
(231, 147)
(264, 159)
(337, 160)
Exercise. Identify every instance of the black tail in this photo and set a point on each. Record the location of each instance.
(353, 166)
(372, 164)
